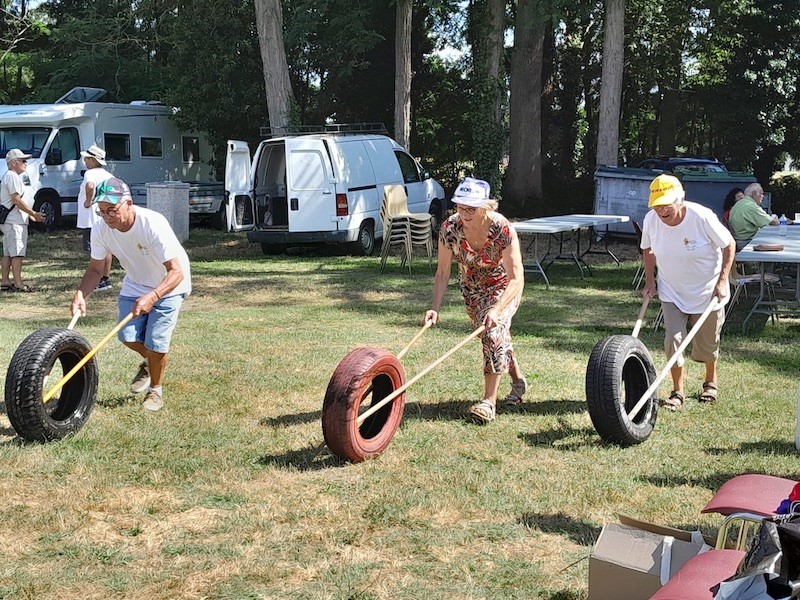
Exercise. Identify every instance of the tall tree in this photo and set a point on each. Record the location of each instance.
(611, 78)
(486, 34)
(402, 74)
(522, 190)
(280, 98)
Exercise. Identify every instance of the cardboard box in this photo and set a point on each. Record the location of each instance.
(626, 561)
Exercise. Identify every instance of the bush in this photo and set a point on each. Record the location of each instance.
(785, 188)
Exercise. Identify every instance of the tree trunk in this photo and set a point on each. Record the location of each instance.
(668, 123)
(522, 192)
(402, 74)
(486, 28)
(611, 82)
(280, 99)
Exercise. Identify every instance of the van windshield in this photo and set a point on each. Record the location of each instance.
(30, 140)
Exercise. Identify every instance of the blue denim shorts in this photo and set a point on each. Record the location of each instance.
(153, 329)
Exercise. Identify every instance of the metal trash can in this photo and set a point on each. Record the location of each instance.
(171, 199)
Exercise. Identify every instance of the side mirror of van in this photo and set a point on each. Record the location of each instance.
(426, 175)
(53, 157)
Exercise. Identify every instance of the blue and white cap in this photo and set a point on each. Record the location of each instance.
(471, 192)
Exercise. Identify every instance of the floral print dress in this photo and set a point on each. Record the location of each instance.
(483, 279)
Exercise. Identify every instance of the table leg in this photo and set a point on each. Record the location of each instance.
(535, 266)
(759, 300)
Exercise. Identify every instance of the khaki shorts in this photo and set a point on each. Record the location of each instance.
(705, 344)
(15, 239)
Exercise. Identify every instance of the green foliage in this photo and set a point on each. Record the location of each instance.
(785, 188)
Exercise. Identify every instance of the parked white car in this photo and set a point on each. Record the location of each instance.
(321, 187)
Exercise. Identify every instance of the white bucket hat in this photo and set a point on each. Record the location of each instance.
(471, 192)
(96, 153)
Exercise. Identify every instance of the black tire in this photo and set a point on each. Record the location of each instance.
(219, 220)
(363, 378)
(438, 216)
(51, 207)
(365, 243)
(67, 411)
(619, 372)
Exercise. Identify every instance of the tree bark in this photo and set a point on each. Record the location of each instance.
(611, 81)
(522, 191)
(402, 74)
(487, 24)
(280, 98)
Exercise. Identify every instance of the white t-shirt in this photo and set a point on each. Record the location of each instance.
(142, 252)
(12, 184)
(688, 256)
(86, 216)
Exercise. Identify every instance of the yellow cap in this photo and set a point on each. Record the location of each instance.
(665, 189)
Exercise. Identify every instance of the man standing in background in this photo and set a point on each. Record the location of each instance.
(95, 159)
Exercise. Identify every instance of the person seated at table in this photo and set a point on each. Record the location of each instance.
(694, 253)
(732, 198)
(747, 216)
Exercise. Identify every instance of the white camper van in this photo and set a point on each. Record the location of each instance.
(322, 186)
(142, 145)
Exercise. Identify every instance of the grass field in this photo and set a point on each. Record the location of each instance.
(224, 493)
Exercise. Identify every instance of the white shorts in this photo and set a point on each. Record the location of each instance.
(15, 239)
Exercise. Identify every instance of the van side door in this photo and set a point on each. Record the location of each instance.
(420, 195)
(310, 186)
(239, 193)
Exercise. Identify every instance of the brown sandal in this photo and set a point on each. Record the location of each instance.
(674, 402)
(709, 393)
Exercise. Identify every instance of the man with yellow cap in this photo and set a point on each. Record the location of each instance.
(694, 253)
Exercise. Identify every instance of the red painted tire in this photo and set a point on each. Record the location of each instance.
(363, 378)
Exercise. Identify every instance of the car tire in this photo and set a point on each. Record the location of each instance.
(365, 242)
(362, 379)
(619, 371)
(27, 375)
(51, 207)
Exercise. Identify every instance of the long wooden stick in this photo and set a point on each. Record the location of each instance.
(414, 339)
(402, 388)
(673, 359)
(640, 318)
(74, 320)
(85, 359)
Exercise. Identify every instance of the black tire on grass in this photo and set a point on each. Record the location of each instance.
(67, 411)
(362, 379)
(619, 372)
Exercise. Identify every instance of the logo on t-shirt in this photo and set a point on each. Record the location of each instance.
(144, 250)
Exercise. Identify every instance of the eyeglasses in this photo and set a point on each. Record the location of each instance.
(466, 209)
(111, 212)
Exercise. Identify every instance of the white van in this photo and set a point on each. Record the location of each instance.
(322, 187)
(141, 141)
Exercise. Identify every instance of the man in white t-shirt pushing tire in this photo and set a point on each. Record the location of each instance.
(157, 280)
(694, 253)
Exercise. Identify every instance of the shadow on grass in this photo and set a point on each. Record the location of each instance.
(312, 458)
(766, 447)
(551, 407)
(711, 482)
(579, 438)
(294, 419)
(115, 401)
(579, 531)
(454, 410)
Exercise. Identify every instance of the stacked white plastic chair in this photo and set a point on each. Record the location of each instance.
(403, 228)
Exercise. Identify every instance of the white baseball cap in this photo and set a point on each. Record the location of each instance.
(16, 154)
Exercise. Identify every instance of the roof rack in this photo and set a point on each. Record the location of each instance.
(270, 132)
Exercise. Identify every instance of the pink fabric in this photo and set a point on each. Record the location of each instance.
(699, 577)
(752, 493)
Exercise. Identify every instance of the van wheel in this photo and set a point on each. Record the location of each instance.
(436, 223)
(219, 220)
(52, 213)
(365, 243)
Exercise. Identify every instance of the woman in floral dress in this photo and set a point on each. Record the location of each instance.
(486, 248)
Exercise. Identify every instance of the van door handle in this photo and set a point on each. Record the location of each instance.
(293, 203)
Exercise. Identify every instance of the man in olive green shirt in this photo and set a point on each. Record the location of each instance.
(747, 216)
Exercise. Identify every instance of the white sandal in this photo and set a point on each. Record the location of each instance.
(482, 413)
(518, 389)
